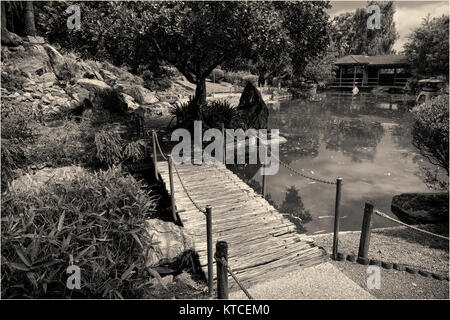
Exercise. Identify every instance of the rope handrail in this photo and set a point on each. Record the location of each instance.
(230, 271)
(384, 215)
(294, 170)
(179, 178)
(158, 145)
(187, 192)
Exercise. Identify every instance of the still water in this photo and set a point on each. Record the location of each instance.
(366, 140)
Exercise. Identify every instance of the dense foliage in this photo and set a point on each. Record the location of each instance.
(427, 47)
(275, 38)
(350, 34)
(431, 131)
(96, 221)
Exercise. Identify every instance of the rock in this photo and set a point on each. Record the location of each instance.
(142, 95)
(168, 245)
(93, 84)
(35, 40)
(55, 57)
(186, 279)
(33, 182)
(253, 110)
(129, 100)
(10, 38)
(421, 207)
(108, 77)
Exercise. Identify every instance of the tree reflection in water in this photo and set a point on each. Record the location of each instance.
(355, 137)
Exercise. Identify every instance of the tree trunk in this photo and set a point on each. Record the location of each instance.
(200, 91)
(3, 16)
(30, 29)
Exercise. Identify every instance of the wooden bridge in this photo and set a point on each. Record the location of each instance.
(263, 244)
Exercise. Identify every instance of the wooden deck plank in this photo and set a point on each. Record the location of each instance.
(262, 242)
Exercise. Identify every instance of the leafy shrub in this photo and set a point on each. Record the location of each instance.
(95, 221)
(431, 130)
(156, 81)
(111, 100)
(16, 135)
(67, 70)
(13, 80)
(240, 78)
(213, 113)
(216, 75)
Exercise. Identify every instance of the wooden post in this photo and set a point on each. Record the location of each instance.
(263, 191)
(172, 189)
(365, 231)
(155, 158)
(378, 77)
(395, 76)
(354, 75)
(336, 218)
(340, 75)
(223, 143)
(222, 272)
(209, 248)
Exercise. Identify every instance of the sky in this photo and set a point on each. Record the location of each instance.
(408, 15)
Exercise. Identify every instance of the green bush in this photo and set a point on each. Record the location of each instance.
(240, 78)
(16, 136)
(95, 221)
(216, 75)
(111, 100)
(431, 130)
(157, 81)
(212, 114)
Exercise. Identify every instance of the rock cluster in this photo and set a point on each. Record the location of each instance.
(36, 75)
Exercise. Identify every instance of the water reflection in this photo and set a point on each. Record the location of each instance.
(364, 139)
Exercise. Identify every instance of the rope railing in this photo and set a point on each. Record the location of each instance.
(187, 192)
(230, 271)
(384, 215)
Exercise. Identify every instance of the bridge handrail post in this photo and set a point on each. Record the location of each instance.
(172, 189)
(223, 144)
(209, 245)
(365, 231)
(155, 158)
(336, 218)
(222, 272)
(263, 188)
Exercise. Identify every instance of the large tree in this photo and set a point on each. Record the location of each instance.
(427, 47)
(350, 34)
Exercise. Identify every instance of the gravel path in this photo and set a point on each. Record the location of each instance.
(324, 281)
(398, 244)
(396, 284)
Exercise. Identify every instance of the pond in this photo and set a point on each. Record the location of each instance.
(365, 139)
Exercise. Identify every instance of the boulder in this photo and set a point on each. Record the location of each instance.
(108, 77)
(253, 109)
(55, 57)
(10, 38)
(93, 84)
(421, 207)
(31, 183)
(35, 40)
(142, 95)
(167, 244)
(129, 100)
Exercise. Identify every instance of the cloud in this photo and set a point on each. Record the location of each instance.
(409, 17)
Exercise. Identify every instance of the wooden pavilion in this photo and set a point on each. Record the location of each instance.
(371, 71)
